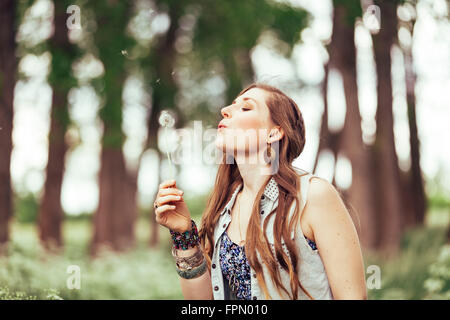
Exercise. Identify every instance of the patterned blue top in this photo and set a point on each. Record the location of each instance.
(236, 268)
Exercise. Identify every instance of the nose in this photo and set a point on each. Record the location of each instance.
(225, 113)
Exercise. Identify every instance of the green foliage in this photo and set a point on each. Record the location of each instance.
(61, 76)
(353, 10)
(29, 272)
(6, 294)
(420, 271)
(437, 285)
(288, 22)
(26, 208)
(439, 201)
(404, 276)
(111, 40)
(226, 31)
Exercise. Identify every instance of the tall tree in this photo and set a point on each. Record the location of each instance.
(8, 67)
(229, 30)
(359, 196)
(388, 191)
(328, 140)
(412, 180)
(61, 79)
(114, 219)
(324, 133)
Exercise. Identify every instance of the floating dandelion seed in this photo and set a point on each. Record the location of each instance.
(167, 121)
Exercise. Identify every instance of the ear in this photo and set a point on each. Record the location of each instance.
(275, 134)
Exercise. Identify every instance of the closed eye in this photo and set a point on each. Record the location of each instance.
(246, 109)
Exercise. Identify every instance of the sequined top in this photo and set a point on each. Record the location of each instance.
(236, 268)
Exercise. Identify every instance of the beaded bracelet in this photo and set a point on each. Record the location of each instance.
(187, 239)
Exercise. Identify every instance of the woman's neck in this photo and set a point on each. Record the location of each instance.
(253, 176)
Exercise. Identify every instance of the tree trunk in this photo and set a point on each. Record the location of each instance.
(131, 207)
(359, 197)
(111, 220)
(8, 66)
(115, 217)
(50, 211)
(414, 185)
(324, 132)
(387, 172)
(63, 53)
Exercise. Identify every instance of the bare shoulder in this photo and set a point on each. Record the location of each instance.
(323, 201)
(321, 190)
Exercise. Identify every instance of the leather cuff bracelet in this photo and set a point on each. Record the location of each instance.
(193, 273)
(189, 262)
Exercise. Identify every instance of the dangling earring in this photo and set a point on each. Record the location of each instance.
(270, 152)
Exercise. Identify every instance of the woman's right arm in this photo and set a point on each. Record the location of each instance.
(198, 288)
(173, 213)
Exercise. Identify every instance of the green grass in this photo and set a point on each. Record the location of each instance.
(404, 276)
(420, 271)
(142, 273)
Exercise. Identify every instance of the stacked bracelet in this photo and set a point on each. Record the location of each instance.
(187, 239)
(190, 262)
(192, 266)
(193, 273)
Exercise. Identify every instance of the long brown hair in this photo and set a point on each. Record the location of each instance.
(285, 113)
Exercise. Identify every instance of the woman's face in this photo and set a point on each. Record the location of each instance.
(246, 123)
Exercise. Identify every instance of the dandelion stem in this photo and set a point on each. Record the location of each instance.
(168, 157)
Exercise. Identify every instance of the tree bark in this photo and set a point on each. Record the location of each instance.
(324, 132)
(111, 220)
(359, 196)
(50, 211)
(51, 214)
(414, 182)
(387, 173)
(115, 217)
(8, 67)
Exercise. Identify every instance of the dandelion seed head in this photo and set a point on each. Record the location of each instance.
(166, 119)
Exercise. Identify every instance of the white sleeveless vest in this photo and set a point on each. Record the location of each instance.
(312, 273)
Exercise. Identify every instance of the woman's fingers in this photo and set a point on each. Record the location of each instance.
(160, 210)
(163, 200)
(167, 183)
(170, 191)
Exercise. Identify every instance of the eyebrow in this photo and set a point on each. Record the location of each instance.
(246, 98)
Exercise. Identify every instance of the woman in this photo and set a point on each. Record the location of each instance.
(285, 235)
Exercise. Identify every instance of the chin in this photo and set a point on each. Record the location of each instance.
(218, 142)
(222, 146)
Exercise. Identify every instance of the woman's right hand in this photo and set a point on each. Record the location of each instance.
(172, 212)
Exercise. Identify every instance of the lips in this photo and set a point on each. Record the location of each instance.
(221, 125)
